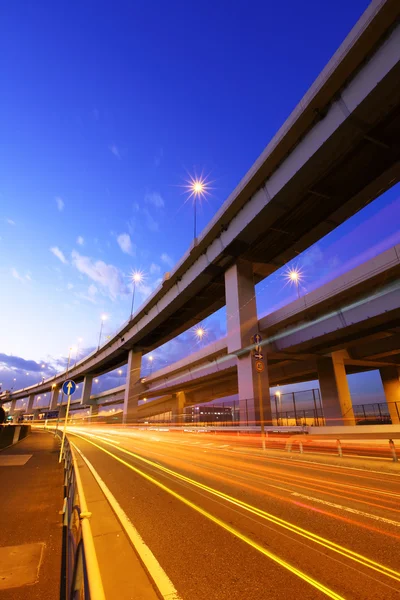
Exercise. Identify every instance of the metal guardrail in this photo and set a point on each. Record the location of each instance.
(341, 451)
(80, 573)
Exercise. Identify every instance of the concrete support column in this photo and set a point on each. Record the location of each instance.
(55, 392)
(31, 399)
(93, 414)
(178, 408)
(242, 324)
(36, 413)
(391, 386)
(87, 390)
(336, 399)
(12, 407)
(133, 387)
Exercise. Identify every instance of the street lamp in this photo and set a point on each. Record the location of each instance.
(197, 187)
(103, 318)
(119, 373)
(151, 358)
(294, 276)
(199, 333)
(80, 340)
(136, 277)
(279, 396)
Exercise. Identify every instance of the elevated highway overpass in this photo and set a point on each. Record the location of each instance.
(337, 151)
(355, 318)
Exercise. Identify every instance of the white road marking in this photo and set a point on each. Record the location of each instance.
(159, 577)
(99, 437)
(347, 509)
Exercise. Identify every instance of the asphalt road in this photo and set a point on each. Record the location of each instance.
(226, 522)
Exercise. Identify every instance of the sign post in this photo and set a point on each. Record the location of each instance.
(68, 388)
(259, 357)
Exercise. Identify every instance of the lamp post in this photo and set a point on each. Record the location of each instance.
(294, 276)
(119, 373)
(80, 340)
(103, 318)
(151, 358)
(279, 396)
(71, 348)
(196, 187)
(136, 277)
(199, 333)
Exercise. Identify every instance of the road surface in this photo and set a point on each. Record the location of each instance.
(226, 522)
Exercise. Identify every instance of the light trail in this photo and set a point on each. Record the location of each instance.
(337, 548)
(307, 578)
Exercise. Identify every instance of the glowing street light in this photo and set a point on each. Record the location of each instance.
(197, 188)
(136, 277)
(278, 396)
(294, 276)
(103, 318)
(199, 333)
(151, 358)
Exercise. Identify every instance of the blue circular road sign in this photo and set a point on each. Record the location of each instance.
(69, 387)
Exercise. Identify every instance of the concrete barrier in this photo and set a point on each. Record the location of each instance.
(11, 434)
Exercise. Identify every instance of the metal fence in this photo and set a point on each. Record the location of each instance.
(290, 409)
(376, 413)
(80, 574)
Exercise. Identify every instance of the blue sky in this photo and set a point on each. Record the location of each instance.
(107, 108)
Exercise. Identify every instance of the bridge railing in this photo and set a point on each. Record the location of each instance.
(81, 578)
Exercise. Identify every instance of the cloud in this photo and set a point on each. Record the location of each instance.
(60, 203)
(15, 362)
(16, 275)
(151, 223)
(28, 277)
(59, 254)
(80, 240)
(125, 243)
(108, 276)
(10, 221)
(115, 150)
(154, 269)
(90, 295)
(167, 259)
(155, 199)
(70, 286)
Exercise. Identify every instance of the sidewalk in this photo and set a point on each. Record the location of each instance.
(31, 498)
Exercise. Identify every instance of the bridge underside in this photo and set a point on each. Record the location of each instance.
(374, 344)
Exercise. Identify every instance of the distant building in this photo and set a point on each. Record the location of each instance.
(208, 414)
